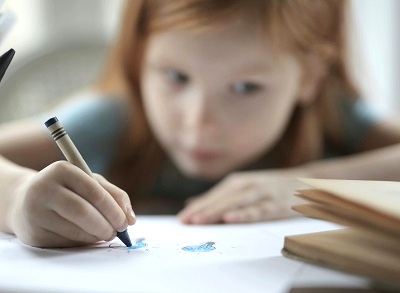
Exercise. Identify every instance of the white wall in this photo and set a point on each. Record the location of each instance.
(60, 47)
(41, 23)
(378, 27)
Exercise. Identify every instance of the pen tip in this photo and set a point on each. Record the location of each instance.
(124, 237)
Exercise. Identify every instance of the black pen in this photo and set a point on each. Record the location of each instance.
(73, 156)
(5, 60)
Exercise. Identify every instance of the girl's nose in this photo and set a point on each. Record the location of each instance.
(201, 114)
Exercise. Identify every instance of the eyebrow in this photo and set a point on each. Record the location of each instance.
(250, 68)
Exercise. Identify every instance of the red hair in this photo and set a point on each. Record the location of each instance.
(300, 27)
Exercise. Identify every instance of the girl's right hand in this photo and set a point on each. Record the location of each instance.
(61, 206)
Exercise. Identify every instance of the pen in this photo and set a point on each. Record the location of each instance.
(5, 60)
(73, 156)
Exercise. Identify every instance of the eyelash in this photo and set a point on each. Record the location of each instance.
(176, 76)
(179, 79)
(247, 88)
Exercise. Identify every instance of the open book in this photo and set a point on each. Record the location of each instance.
(369, 245)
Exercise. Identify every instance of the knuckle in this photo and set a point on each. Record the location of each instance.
(100, 177)
(124, 198)
(100, 196)
(59, 167)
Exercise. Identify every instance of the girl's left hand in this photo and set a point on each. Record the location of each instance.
(246, 197)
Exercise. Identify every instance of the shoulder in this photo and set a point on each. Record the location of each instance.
(94, 121)
(94, 114)
(357, 118)
(92, 106)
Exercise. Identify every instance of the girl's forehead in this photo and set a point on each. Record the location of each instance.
(230, 52)
(229, 42)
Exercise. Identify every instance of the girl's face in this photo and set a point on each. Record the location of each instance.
(217, 100)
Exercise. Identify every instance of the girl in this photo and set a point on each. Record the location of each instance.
(226, 100)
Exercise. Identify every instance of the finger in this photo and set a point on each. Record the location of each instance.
(89, 189)
(198, 211)
(54, 223)
(75, 209)
(45, 238)
(185, 214)
(212, 209)
(120, 196)
(233, 199)
(261, 211)
(191, 209)
(199, 204)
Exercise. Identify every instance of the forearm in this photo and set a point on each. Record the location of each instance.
(380, 164)
(11, 180)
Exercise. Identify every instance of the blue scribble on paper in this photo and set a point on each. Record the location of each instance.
(204, 247)
(138, 244)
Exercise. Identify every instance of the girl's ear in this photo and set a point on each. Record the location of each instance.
(315, 69)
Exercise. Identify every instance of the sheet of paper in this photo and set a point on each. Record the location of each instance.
(170, 257)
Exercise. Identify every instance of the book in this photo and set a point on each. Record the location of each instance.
(368, 244)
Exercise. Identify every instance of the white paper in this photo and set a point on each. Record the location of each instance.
(246, 258)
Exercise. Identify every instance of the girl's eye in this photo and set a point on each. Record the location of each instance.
(176, 76)
(245, 87)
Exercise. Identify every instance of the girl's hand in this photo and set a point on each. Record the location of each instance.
(62, 206)
(246, 197)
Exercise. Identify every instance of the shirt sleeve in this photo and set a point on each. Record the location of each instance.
(94, 124)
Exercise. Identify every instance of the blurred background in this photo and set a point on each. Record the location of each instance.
(60, 45)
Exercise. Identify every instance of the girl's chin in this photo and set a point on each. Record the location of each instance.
(201, 172)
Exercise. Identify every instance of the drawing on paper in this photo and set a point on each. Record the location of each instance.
(204, 247)
(139, 243)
